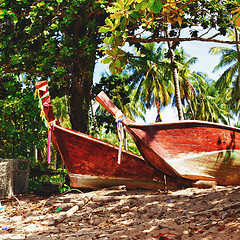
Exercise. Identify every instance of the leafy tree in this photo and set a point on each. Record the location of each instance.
(154, 78)
(54, 40)
(58, 40)
(185, 75)
(156, 21)
(19, 119)
(118, 87)
(23, 131)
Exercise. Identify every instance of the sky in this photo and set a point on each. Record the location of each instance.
(205, 63)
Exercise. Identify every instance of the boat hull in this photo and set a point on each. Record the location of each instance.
(197, 150)
(194, 150)
(99, 182)
(92, 163)
(221, 166)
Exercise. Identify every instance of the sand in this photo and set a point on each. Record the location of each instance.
(106, 214)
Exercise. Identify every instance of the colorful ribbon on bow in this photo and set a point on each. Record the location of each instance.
(49, 125)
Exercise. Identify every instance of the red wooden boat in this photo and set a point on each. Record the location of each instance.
(195, 150)
(92, 163)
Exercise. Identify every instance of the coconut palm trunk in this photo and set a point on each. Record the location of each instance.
(238, 50)
(175, 80)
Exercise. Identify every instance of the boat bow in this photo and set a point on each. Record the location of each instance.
(195, 150)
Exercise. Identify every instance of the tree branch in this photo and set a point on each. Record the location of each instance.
(163, 39)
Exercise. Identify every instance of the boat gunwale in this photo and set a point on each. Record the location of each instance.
(180, 122)
(91, 138)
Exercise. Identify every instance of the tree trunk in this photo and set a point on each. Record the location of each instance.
(82, 76)
(235, 96)
(79, 110)
(238, 50)
(176, 82)
(80, 101)
(191, 109)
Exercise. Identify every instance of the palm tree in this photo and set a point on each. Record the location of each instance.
(207, 103)
(229, 82)
(151, 77)
(183, 63)
(175, 78)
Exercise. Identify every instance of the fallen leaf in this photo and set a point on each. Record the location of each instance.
(221, 228)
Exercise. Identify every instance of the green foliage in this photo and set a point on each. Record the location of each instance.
(60, 110)
(64, 188)
(207, 103)
(147, 21)
(36, 184)
(20, 123)
(42, 175)
(237, 125)
(228, 83)
(54, 40)
(22, 131)
(118, 88)
(151, 75)
(112, 138)
(41, 37)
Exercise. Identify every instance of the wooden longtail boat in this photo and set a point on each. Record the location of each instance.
(195, 150)
(92, 163)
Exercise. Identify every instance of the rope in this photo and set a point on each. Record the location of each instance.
(120, 132)
(49, 141)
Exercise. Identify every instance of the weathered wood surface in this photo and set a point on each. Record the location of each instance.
(92, 163)
(194, 150)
